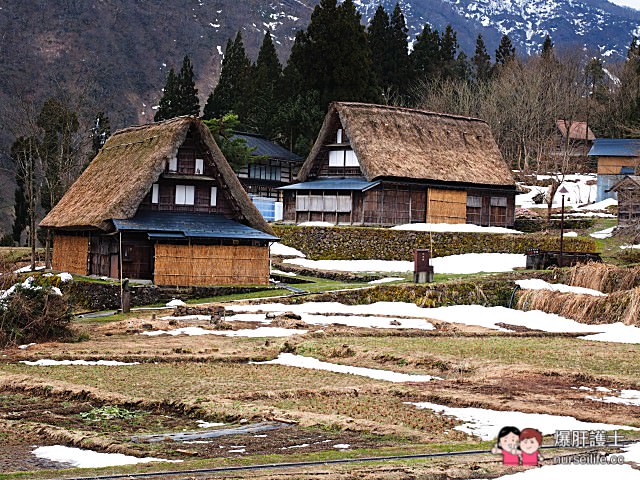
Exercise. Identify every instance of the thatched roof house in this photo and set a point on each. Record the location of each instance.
(401, 165)
(163, 187)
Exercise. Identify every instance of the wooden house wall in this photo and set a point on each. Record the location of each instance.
(628, 204)
(104, 256)
(393, 204)
(446, 206)
(70, 253)
(398, 203)
(614, 165)
(211, 265)
(185, 175)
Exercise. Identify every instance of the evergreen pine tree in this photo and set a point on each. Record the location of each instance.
(379, 36)
(188, 102)
(547, 48)
(19, 150)
(336, 58)
(229, 94)
(426, 53)
(506, 51)
(168, 106)
(448, 52)
(481, 61)
(267, 74)
(402, 71)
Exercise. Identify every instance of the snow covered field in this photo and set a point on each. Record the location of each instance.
(473, 315)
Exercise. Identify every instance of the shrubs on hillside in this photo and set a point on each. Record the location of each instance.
(33, 310)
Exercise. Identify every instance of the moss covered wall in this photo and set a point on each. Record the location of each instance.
(359, 243)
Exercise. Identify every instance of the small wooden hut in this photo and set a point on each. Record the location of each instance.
(381, 165)
(617, 158)
(628, 190)
(160, 202)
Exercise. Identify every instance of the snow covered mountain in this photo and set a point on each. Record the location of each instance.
(604, 27)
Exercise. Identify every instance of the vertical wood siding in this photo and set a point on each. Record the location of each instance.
(70, 254)
(211, 265)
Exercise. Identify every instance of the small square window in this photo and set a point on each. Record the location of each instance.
(185, 194)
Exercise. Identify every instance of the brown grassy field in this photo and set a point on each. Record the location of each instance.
(181, 379)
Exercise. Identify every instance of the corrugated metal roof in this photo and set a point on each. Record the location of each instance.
(615, 147)
(349, 183)
(194, 225)
(267, 148)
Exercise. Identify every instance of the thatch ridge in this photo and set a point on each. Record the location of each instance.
(416, 144)
(132, 159)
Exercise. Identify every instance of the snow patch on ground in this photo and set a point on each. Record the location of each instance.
(27, 269)
(286, 274)
(203, 424)
(254, 333)
(81, 458)
(448, 227)
(65, 277)
(537, 284)
(623, 397)
(602, 205)
(325, 313)
(291, 360)
(176, 303)
(571, 234)
(316, 224)
(606, 233)
(467, 263)
(486, 424)
(285, 251)
(624, 247)
(51, 363)
(385, 280)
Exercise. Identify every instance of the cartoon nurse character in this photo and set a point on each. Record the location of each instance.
(507, 444)
(530, 441)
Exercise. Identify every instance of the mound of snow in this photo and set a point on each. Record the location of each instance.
(316, 224)
(448, 227)
(65, 277)
(176, 303)
(285, 251)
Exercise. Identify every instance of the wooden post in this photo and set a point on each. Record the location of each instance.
(562, 233)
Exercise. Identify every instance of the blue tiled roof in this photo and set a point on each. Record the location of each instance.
(615, 147)
(348, 183)
(264, 147)
(189, 225)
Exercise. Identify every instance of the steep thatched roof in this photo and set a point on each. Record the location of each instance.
(116, 181)
(577, 130)
(414, 144)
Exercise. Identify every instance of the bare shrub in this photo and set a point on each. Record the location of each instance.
(30, 313)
